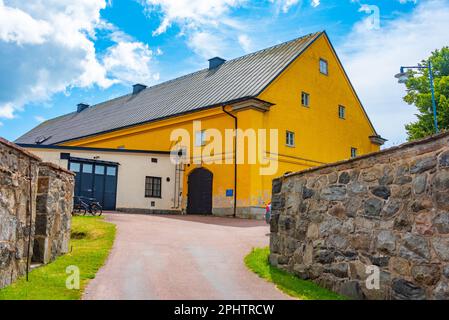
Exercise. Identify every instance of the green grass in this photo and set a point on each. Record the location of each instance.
(92, 239)
(257, 261)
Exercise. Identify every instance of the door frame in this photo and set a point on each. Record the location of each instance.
(94, 163)
(189, 189)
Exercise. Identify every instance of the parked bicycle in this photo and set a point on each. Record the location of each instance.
(83, 205)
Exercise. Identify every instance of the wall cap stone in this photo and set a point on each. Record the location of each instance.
(19, 149)
(404, 146)
(56, 167)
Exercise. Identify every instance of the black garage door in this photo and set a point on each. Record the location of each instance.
(96, 180)
(199, 198)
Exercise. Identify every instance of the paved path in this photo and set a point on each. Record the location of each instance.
(182, 257)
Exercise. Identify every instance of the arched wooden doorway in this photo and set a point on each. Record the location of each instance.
(199, 198)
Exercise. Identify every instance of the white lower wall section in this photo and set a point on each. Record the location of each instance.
(133, 169)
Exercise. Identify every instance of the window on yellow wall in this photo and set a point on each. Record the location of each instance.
(324, 67)
(341, 112)
(290, 139)
(353, 153)
(305, 99)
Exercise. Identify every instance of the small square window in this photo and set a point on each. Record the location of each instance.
(305, 99)
(153, 186)
(111, 171)
(154, 160)
(87, 168)
(324, 67)
(341, 112)
(99, 170)
(353, 152)
(290, 139)
(75, 167)
(200, 138)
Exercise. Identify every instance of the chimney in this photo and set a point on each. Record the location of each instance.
(82, 107)
(215, 62)
(138, 87)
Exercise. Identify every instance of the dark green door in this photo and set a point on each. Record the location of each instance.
(95, 180)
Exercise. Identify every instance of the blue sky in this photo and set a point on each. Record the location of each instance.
(55, 54)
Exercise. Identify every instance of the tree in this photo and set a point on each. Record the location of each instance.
(418, 94)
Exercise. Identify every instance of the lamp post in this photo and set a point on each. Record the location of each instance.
(403, 77)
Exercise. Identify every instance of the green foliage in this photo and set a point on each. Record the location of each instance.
(257, 261)
(419, 94)
(92, 239)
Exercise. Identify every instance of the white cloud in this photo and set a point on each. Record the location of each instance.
(207, 25)
(47, 46)
(285, 5)
(315, 3)
(190, 13)
(373, 57)
(130, 62)
(246, 43)
(39, 118)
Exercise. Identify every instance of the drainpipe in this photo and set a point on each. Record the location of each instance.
(235, 159)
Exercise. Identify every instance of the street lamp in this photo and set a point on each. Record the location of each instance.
(403, 77)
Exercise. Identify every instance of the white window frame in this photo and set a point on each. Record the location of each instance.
(324, 62)
(305, 99)
(342, 115)
(354, 152)
(290, 139)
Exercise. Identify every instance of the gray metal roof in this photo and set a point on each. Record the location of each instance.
(236, 79)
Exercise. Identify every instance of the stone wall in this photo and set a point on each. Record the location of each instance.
(53, 188)
(54, 208)
(15, 211)
(389, 209)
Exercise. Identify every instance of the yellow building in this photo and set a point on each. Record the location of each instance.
(299, 89)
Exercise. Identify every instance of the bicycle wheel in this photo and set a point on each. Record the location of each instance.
(96, 210)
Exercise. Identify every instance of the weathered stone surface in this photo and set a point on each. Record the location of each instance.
(337, 241)
(446, 271)
(442, 200)
(441, 247)
(405, 290)
(277, 186)
(307, 193)
(400, 266)
(393, 206)
(14, 211)
(444, 160)
(441, 223)
(441, 291)
(334, 193)
(381, 192)
(373, 207)
(386, 241)
(339, 270)
(344, 178)
(427, 274)
(422, 165)
(414, 247)
(423, 223)
(441, 180)
(352, 289)
(390, 210)
(420, 184)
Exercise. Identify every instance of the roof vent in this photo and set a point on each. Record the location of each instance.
(81, 107)
(215, 62)
(138, 87)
